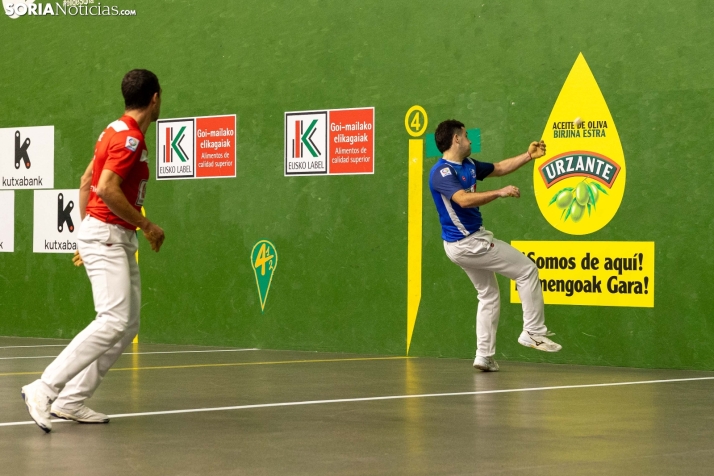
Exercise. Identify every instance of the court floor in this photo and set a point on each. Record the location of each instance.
(185, 410)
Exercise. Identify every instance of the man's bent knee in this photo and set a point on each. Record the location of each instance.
(530, 271)
(490, 297)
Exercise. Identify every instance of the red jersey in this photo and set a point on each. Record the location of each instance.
(121, 149)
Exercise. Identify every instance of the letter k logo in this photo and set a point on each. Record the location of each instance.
(21, 151)
(63, 214)
(306, 139)
(176, 145)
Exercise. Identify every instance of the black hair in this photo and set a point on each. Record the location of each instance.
(138, 87)
(445, 134)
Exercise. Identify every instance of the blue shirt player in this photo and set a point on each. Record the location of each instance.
(453, 182)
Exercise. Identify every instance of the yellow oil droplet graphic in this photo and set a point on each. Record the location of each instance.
(580, 182)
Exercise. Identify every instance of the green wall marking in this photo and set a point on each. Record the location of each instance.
(474, 135)
(264, 259)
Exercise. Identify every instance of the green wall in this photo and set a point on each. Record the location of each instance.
(342, 241)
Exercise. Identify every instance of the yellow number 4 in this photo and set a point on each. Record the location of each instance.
(415, 124)
(264, 256)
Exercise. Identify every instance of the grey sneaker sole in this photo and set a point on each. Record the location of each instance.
(485, 368)
(66, 416)
(536, 347)
(42, 427)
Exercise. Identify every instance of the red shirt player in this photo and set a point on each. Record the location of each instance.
(111, 194)
(122, 150)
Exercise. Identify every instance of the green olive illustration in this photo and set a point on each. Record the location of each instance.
(564, 199)
(593, 192)
(581, 195)
(576, 211)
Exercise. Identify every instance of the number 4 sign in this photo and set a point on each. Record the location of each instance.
(413, 121)
(264, 258)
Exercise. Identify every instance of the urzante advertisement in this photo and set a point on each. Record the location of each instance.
(579, 186)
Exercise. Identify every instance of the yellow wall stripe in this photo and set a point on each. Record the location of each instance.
(416, 166)
(143, 212)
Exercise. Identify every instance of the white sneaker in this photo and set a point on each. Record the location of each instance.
(487, 364)
(80, 413)
(38, 403)
(538, 342)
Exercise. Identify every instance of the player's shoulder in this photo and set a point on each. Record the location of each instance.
(477, 166)
(124, 127)
(442, 168)
(476, 163)
(124, 133)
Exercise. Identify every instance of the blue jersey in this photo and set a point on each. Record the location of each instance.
(445, 179)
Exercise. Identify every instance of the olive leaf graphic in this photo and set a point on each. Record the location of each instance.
(574, 201)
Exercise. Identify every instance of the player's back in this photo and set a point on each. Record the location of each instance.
(121, 149)
(118, 132)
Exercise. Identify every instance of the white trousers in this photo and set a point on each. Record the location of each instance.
(481, 256)
(108, 255)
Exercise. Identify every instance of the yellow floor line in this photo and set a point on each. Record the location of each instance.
(232, 364)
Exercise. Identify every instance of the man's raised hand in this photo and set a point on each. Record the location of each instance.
(536, 150)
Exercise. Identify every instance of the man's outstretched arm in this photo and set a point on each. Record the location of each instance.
(505, 167)
(475, 199)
